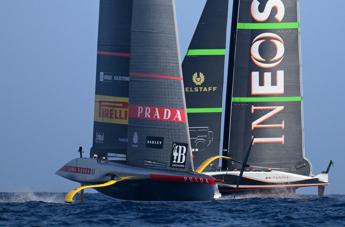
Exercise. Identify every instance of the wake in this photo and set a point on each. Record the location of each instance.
(24, 197)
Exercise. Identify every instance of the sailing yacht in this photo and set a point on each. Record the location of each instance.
(159, 135)
(141, 144)
(261, 131)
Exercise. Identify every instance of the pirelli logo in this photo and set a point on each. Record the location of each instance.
(112, 110)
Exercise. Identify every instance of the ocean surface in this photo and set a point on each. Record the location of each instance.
(49, 209)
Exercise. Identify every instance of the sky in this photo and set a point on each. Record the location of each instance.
(48, 68)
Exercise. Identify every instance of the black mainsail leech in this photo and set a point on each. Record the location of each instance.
(266, 96)
(158, 128)
(111, 104)
(203, 70)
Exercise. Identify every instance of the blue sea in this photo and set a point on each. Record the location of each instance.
(49, 209)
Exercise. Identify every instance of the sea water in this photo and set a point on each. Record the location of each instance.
(49, 209)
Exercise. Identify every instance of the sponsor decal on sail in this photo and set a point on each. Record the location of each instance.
(99, 137)
(78, 170)
(135, 140)
(155, 113)
(201, 138)
(199, 80)
(113, 110)
(154, 142)
(110, 77)
(116, 157)
(267, 69)
(178, 155)
(155, 164)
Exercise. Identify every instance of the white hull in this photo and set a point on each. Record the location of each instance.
(268, 181)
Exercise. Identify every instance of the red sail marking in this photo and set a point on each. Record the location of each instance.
(157, 113)
(113, 104)
(113, 110)
(183, 179)
(156, 76)
(113, 54)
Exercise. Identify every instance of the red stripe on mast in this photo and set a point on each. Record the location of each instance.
(157, 76)
(113, 54)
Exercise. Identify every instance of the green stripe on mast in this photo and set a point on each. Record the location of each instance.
(206, 52)
(267, 99)
(204, 110)
(253, 26)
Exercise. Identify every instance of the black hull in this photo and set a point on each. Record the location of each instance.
(149, 190)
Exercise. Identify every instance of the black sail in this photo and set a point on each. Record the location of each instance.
(111, 104)
(158, 128)
(266, 94)
(203, 73)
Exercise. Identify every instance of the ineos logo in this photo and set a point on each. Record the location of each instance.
(255, 50)
(261, 16)
(265, 11)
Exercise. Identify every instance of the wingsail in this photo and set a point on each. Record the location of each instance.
(158, 127)
(203, 73)
(267, 102)
(112, 80)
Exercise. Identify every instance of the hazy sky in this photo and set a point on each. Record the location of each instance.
(47, 71)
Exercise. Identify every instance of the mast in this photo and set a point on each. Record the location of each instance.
(203, 70)
(229, 88)
(267, 98)
(158, 126)
(111, 101)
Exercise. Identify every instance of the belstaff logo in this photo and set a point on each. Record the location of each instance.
(179, 155)
(198, 79)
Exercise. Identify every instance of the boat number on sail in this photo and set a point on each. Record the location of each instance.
(276, 8)
(154, 142)
(179, 155)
